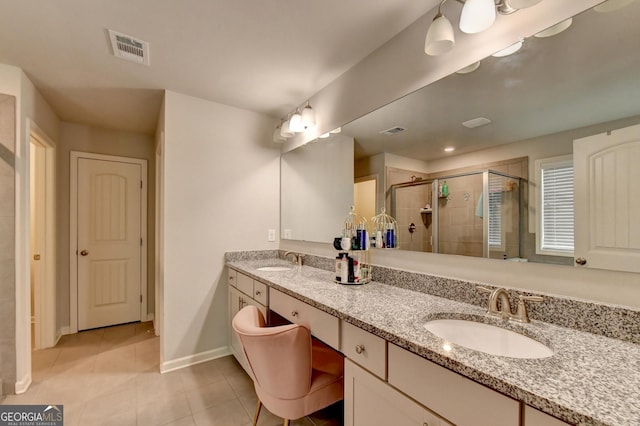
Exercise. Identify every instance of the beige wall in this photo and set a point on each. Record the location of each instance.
(221, 193)
(7, 239)
(79, 137)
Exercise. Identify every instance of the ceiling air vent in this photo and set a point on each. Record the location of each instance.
(129, 48)
(393, 131)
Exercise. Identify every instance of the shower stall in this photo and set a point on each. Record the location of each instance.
(472, 214)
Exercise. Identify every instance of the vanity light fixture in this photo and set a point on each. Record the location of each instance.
(469, 68)
(508, 50)
(285, 132)
(476, 16)
(308, 116)
(449, 149)
(277, 135)
(440, 37)
(555, 29)
(336, 130)
(324, 135)
(295, 123)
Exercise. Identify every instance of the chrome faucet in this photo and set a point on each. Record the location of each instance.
(503, 310)
(297, 257)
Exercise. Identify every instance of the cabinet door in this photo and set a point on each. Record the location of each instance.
(235, 304)
(606, 211)
(370, 401)
(533, 417)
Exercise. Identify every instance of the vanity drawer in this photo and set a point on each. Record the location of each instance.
(364, 348)
(260, 292)
(452, 396)
(533, 417)
(324, 326)
(244, 283)
(232, 276)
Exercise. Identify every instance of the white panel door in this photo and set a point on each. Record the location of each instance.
(607, 200)
(109, 243)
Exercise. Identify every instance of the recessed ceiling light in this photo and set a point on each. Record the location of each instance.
(469, 68)
(509, 50)
(555, 29)
(449, 149)
(476, 122)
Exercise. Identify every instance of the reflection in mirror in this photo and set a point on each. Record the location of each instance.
(316, 191)
(525, 107)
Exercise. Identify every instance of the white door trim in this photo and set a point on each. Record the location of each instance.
(73, 232)
(46, 300)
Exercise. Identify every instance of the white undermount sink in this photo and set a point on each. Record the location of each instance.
(487, 338)
(274, 268)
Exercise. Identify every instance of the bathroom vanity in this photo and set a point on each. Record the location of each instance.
(397, 372)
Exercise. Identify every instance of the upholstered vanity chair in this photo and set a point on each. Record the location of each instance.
(293, 374)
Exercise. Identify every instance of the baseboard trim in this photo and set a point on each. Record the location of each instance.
(23, 385)
(176, 364)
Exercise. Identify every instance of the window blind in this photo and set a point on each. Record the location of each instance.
(557, 207)
(495, 211)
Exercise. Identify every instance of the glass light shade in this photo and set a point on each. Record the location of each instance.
(308, 117)
(611, 5)
(324, 135)
(295, 123)
(336, 130)
(508, 50)
(521, 4)
(440, 38)
(277, 136)
(469, 68)
(477, 16)
(285, 132)
(555, 29)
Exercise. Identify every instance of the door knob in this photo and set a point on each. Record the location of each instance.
(84, 252)
(581, 261)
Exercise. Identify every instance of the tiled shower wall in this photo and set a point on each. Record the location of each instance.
(7, 243)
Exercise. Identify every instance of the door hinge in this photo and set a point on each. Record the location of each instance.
(140, 298)
(140, 184)
(140, 241)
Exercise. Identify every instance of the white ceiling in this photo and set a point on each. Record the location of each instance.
(262, 55)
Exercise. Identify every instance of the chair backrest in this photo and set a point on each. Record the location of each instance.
(279, 357)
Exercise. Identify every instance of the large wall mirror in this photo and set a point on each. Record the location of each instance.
(582, 81)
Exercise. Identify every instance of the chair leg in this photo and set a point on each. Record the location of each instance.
(255, 417)
(286, 422)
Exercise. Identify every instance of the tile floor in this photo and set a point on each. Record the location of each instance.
(110, 376)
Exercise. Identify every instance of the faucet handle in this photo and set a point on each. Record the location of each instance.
(483, 289)
(521, 314)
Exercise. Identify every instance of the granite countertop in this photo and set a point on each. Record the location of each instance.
(590, 379)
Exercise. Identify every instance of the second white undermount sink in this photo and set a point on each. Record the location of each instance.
(274, 268)
(487, 338)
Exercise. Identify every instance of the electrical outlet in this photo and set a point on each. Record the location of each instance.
(287, 233)
(271, 235)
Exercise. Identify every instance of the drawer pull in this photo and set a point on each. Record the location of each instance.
(294, 313)
(231, 278)
(258, 292)
(359, 349)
